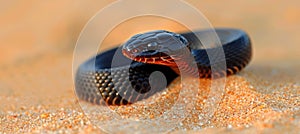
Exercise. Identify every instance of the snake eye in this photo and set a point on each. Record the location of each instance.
(152, 46)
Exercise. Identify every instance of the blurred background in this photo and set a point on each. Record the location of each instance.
(33, 27)
(37, 39)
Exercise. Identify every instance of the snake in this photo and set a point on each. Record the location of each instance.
(128, 73)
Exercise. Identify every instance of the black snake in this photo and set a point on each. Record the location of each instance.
(107, 78)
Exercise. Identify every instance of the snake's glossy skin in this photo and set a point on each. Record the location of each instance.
(113, 79)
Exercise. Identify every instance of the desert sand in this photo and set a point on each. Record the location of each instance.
(36, 83)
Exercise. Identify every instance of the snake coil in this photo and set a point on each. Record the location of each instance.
(101, 82)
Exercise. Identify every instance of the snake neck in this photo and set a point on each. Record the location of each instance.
(185, 65)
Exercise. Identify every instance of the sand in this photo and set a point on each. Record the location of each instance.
(37, 91)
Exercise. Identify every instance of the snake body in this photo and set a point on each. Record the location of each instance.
(101, 80)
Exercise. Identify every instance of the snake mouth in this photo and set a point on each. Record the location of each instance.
(149, 54)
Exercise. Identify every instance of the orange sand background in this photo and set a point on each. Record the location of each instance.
(37, 39)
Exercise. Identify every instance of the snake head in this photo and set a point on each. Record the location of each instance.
(156, 47)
